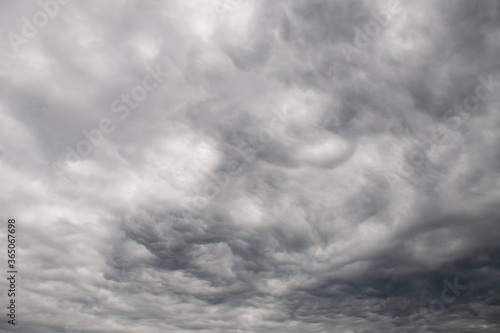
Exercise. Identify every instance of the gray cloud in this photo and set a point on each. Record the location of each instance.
(267, 183)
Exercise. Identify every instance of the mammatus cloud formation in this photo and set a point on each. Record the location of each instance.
(252, 166)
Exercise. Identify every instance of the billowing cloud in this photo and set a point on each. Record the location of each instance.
(252, 166)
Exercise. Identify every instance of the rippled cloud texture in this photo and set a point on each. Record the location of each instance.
(252, 166)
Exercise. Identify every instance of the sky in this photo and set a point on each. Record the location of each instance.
(251, 166)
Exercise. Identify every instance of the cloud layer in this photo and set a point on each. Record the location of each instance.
(251, 166)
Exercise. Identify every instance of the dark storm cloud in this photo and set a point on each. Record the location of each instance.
(269, 182)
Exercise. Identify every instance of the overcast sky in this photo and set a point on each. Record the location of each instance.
(251, 166)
